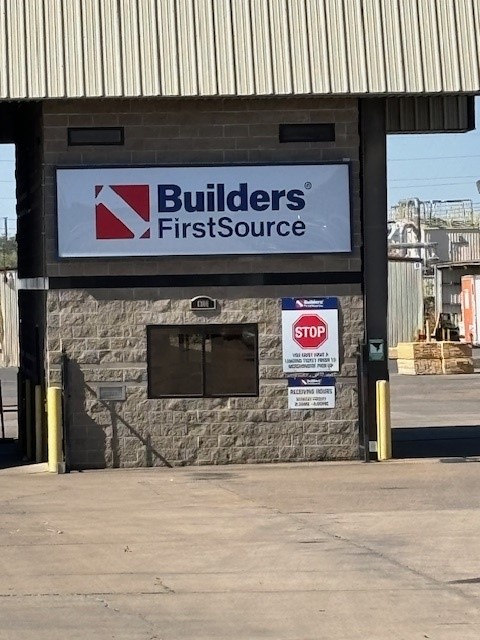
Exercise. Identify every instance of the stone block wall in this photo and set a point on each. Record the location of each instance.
(104, 335)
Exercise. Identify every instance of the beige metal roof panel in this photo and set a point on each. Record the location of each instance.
(130, 40)
(168, 47)
(297, 19)
(374, 63)
(35, 38)
(262, 47)
(205, 39)
(73, 42)
(282, 62)
(224, 47)
(243, 47)
(148, 46)
(355, 38)
(111, 59)
(430, 44)
(54, 48)
(318, 47)
(16, 48)
(91, 48)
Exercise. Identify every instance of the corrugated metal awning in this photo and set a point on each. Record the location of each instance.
(121, 48)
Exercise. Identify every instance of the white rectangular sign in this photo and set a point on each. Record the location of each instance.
(160, 211)
(310, 335)
(311, 393)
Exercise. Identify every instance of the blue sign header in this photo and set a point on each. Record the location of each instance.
(314, 381)
(305, 304)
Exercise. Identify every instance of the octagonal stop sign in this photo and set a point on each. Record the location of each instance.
(310, 331)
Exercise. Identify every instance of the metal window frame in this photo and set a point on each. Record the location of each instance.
(203, 330)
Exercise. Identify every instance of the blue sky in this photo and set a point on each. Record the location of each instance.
(435, 167)
(430, 167)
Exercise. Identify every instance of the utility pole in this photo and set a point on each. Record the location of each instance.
(5, 226)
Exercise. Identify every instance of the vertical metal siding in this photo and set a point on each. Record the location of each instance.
(9, 356)
(357, 73)
(79, 48)
(187, 55)
(318, 46)
(300, 81)
(464, 245)
(337, 47)
(429, 113)
(4, 92)
(149, 53)
(168, 47)
(35, 38)
(430, 44)
(449, 46)
(405, 301)
(132, 80)
(411, 37)
(204, 31)
(224, 48)
(92, 47)
(111, 50)
(282, 63)
(243, 49)
(74, 54)
(262, 47)
(374, 64)
(54, 48)
(16, 48)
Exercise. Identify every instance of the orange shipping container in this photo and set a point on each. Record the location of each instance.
(470, 301)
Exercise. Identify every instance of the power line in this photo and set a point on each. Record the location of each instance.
(439, 178)
(430, 186)
(431, 158)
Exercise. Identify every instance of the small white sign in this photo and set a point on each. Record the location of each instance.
(310, 335)
(311, 393)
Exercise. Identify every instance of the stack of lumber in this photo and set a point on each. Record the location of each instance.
(419, 358)
(434, 358)
(456, 357)
(392, 353)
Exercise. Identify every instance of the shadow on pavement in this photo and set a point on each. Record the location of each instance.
(10, 454)
(436, 442)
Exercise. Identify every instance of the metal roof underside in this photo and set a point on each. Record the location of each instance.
(122, 48)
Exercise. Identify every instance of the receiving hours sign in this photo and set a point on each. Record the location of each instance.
(310, 335)
(316, 392)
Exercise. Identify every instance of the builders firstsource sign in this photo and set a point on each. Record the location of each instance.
(159, 211)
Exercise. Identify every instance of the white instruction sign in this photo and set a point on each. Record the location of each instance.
(311, 393)
(310, 335)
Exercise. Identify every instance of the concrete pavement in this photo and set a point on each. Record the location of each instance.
(291, 552)
(429, 401)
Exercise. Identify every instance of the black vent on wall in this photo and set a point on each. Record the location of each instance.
(320, 132)
(95, 136)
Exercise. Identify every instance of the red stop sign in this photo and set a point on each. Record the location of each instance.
(310, 331)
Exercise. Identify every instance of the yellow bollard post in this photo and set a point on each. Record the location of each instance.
(384, 428)
(38, 423)
(28, 419)
(54, 422)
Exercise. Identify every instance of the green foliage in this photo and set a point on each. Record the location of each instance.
(8, 253)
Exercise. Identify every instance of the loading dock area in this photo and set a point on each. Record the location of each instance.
(435, 416)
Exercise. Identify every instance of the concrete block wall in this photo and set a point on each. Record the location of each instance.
(104, 331)
(104, 335)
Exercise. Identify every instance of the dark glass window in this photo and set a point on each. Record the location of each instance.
(202, 360)
(95, 136)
